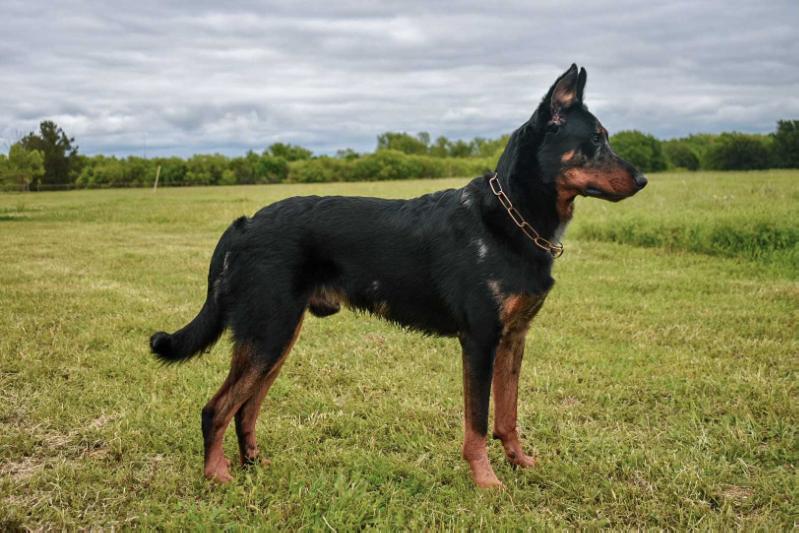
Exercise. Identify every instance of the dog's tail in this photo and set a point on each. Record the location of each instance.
(205, 329)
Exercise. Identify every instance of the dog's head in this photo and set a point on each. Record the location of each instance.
(569, 148)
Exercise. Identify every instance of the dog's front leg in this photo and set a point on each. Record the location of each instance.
(507, 366)
(478, 359)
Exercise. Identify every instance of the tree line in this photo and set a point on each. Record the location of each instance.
(49, 159)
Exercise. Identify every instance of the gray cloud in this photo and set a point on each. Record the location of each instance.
(171, 77)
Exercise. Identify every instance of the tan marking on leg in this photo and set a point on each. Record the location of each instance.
(238, 388)
(516, 314)
(476, 454)
(507, 367)
(475, 450)
(518, 310)
(247, 415)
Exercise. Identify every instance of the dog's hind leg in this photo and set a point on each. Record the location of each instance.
(255, 363)
(477, 367)
(240, 384)
(247, 414)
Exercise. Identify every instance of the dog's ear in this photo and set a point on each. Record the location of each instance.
(564, 91)
(581, 84)
(562, 95)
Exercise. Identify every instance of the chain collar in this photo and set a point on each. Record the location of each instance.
(554, 249)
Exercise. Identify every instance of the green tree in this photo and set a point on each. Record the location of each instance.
(272, 169)
(738, 151)
(785, 145)
(22, 169)
(289, 152)
(461, 148)
(641, 149)
(680, 154)
(441, 147)
(403, 142)
(208, 169)
(489, 147)
(347, 153)
(102, 170)
(173, 170)
(61, 162)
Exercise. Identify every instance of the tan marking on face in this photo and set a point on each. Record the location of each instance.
(573, 181)
(568, 156)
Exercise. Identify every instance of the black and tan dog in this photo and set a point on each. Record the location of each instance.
(473, 263)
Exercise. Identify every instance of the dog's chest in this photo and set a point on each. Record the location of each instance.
(518, 310)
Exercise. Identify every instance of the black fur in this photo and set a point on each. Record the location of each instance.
(440, 263)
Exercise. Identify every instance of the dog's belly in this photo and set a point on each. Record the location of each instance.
(416, 309)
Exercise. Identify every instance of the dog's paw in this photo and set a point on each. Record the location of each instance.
(483, 475)
(521, 460)
(219, 472)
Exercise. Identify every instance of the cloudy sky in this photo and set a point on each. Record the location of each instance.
(158, 78)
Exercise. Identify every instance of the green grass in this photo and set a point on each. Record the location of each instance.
(659, 387)
(752, 215)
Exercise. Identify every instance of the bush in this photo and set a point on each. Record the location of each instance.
(403, 142)
(321, 169)
(23, 168)
(288, 152)
(254, 168)
(173, 170)
(785, 145)
(681, 155)
(385, 165)
(207, 169)
(738, 151)
(640, 149)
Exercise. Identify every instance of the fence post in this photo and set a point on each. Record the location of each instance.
(157, 173)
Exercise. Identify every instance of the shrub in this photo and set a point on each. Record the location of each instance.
(22, 169)
(681, 155)
(785, 145)
(320, 169)
(288, 152)
(738, 151)
(640, 149)
(206, 169)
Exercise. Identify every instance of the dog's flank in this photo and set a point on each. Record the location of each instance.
(450, 263)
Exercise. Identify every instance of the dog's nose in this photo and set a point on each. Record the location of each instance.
(640, 180)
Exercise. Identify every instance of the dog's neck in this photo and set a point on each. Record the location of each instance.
(519, 174)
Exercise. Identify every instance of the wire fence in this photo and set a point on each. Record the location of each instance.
(84, 186)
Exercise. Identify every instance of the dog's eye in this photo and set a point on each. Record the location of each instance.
(596, 138)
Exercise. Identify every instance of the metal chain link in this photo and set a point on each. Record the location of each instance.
(554, 249)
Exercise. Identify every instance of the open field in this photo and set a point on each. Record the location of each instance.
(660, 386)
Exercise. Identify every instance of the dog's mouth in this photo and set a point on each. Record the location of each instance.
(604, 195)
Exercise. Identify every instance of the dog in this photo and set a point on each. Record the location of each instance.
(473, 263)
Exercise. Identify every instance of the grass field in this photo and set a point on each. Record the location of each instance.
(660, 386)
